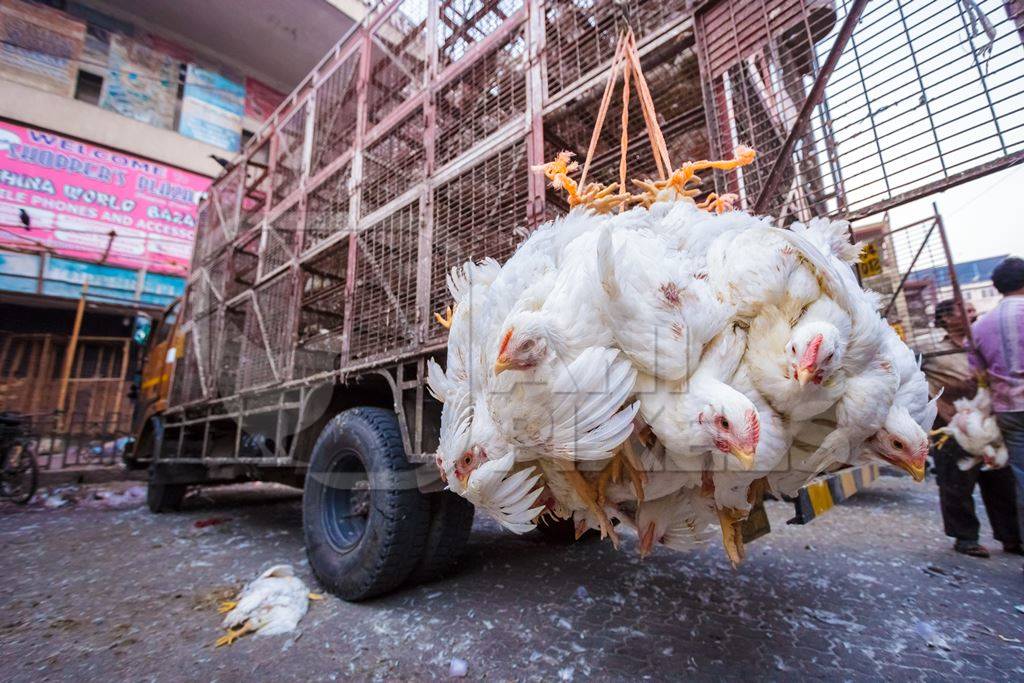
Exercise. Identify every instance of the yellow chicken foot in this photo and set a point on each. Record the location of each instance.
(943, 437)
(757, 490)
(227, 606)
(645, 434)
(315, 596)
(731, 521)
(635, 471)
(612, 472)
(585, 491)
(445, 320)
(235, 633)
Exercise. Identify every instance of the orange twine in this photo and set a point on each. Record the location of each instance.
(681, 182)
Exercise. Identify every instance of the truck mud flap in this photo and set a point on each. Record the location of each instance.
(824, 493)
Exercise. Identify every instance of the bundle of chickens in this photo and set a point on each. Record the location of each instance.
(973, 427)
(653, 364)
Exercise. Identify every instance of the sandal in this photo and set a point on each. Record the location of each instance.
(972, 548)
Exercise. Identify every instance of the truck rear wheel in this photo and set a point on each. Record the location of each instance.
(162, 497)
(365, 521)
(451, 520)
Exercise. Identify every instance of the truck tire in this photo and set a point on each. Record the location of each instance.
(451, 520)
(364, 519)
(563, 532)
(162, 497)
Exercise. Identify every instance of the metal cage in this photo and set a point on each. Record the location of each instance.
(322, 252)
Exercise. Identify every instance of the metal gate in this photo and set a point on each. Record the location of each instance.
(912, 268)
(870, 104)
(96, 418)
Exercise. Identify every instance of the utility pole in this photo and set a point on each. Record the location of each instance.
(69, 356)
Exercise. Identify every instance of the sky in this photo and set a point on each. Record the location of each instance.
(983, 218)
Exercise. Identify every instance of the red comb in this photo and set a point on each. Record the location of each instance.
(810, 356)
(753, 427)
(504, 342)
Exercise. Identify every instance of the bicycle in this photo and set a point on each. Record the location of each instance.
(19, 471)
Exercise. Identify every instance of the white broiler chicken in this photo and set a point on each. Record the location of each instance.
(974, 428)
(902, 440)
(680, 520)
(870, 375)
(757, 267)
(704, 415)
(735, 492)
(663, 308)
(270, 605)
(797, 365)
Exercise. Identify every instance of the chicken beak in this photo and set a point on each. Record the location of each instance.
(804, 375)
(745, 456)
(647, 541)
(502, 364)
(914, 469)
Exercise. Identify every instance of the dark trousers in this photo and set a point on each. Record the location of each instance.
(1012, 427)
(956, 497)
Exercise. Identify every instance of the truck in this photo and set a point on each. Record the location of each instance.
(299, 351)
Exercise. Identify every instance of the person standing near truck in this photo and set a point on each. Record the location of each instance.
(951, 374)
(999, 353)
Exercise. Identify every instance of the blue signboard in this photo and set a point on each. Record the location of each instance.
(64, 278)
(18, 272)
(212, 108)
(161, 289)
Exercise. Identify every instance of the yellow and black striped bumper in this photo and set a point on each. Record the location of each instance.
(822, 494)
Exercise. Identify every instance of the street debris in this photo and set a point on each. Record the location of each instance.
(210, 521)
(932, 638)
(458, 668)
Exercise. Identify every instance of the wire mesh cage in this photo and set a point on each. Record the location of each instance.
(287, 166)
(327, 208)
(242, 269)
(207, 340)
(281, 238)
(925, 94)
(384, 318)
(334, 129)
(253, 206)
(674, 79)
(483, 98)
(221, 215)
(581, 35)
(398, 59)
(393, 163)
(470, 224)
(224, 373)
(465, 23)
(910, 267)
(322, 311)
(267, 340)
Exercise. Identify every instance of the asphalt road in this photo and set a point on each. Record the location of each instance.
(871, 590)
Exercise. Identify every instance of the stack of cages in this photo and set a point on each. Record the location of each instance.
(407, 152)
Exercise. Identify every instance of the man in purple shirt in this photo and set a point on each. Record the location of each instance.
(999, 352)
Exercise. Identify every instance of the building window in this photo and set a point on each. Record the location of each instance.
(88, 87)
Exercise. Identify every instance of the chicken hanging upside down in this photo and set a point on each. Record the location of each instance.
(661, 368)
